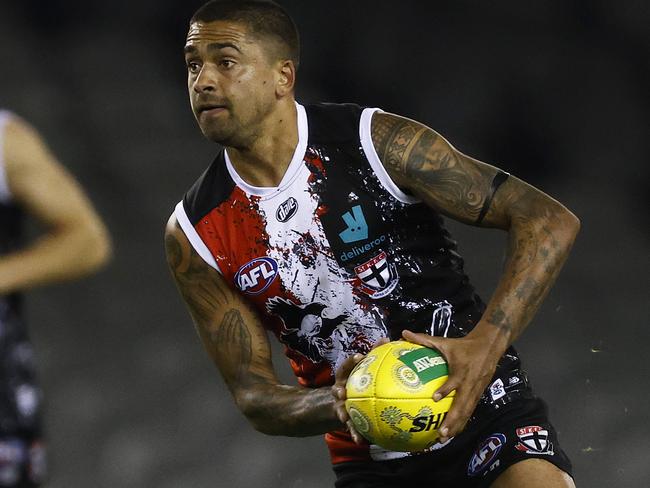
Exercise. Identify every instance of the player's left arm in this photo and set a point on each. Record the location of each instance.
(75, 241)
(541, 233)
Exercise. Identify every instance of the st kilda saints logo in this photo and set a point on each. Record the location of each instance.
(256, 276)
(378, 276)
(287, 209)
(534, 440)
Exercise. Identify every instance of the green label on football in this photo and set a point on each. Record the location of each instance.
(426, 363)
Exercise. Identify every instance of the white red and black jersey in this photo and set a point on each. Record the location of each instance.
(20, 397)
(336, 256)
(11, 218)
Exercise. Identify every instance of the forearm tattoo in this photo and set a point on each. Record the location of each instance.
(235, 339)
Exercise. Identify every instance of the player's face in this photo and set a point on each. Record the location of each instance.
(230, 81)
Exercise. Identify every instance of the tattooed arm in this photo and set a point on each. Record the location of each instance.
(234, 338)
(541, 233)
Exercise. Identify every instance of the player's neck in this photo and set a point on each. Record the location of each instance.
(264, 162)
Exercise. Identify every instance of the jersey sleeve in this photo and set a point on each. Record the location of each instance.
(193, 236)
(365, 135)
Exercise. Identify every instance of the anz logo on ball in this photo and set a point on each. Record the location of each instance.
(257, 275)
(287, 209)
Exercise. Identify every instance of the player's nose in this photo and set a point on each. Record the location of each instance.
(206, 80)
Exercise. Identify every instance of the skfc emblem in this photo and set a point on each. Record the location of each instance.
(286, 210)
(534, 440)
(256, 276)
(378, 276)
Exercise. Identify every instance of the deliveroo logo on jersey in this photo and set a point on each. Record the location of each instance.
(357, 228)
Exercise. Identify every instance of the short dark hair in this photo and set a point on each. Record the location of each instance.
(264, 17)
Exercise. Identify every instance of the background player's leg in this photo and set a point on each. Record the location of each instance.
(533, 473)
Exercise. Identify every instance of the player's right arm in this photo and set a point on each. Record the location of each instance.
(235, 339)
(75, 241)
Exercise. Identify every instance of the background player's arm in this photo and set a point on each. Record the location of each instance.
(541, 233)
(75, 242)
(237, 343)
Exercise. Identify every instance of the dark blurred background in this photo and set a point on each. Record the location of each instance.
(554, 91)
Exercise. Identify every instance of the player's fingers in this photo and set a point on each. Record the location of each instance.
(356, 437)
(341, 413)
(456, 419)
(425, 340)
(450, 385)
(338, 392)
(381, 342)
(347, 366)
(455, 427)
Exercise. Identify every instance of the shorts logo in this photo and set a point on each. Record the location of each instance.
(497, 389)
(484, 458)
(357, 229)
(534, 440)
(286, 210)
(378, 276)
(256, 276)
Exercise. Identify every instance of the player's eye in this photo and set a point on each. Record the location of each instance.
(193, 67)
(227, 63)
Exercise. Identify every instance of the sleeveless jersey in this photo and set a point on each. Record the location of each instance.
(19, 395)
(335, 257)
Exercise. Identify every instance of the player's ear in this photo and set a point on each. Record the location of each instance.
(286, 78)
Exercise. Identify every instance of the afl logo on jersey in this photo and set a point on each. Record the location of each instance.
(287, 209)
(256, 276)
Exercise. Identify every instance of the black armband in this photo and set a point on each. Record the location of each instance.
(497, 181)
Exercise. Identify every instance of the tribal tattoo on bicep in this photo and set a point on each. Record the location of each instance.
(229, 329)
(541, 230)
(421, 160)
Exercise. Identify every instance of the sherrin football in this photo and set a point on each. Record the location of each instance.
(390, 396)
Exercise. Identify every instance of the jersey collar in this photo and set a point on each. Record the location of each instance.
(292, 169)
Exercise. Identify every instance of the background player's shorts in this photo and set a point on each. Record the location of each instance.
(22, 463)
(473, 459)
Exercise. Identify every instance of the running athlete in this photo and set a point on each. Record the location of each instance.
(75, 243)
(322, 225)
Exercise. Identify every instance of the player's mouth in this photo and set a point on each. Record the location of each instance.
(210, 109)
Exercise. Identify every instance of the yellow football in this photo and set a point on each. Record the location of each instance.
(390, 396)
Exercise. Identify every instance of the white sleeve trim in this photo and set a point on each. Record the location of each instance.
(5, 192)
(365, 135)
(193, 236)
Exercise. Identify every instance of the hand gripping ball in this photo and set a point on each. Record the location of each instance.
(390, 396)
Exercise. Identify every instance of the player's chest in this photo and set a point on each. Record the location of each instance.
(308, 236)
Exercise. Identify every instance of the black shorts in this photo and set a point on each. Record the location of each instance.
(475, 458)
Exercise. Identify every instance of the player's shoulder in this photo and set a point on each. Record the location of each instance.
(20, 141)
(5, 116)
(14, 125)
(333, 122)
(209, 190)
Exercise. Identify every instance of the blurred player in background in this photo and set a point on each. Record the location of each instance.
(76, 243)
(322, 224)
